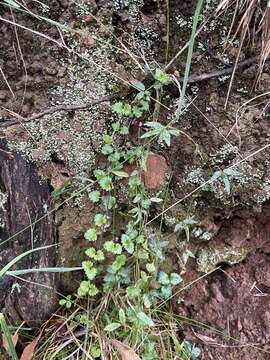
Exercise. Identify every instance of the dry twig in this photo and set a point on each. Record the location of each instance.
(53, 109)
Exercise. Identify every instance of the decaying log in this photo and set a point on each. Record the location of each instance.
(23, 200)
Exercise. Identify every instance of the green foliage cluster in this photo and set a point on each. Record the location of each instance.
(131, 262)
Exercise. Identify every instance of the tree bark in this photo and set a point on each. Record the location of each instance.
(24, 199)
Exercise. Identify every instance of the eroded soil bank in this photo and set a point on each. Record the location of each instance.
(230, 227)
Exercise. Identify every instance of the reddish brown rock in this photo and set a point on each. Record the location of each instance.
(154, 177)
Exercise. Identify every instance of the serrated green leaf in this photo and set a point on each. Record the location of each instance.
(100, 220)
(118, 262)
(124, 130)
(144, 105)
(113, 247)
(107, 149)
(83, 288)
(175, 279)
(94, 196)
(91, 252)
(136, 111)
(91, 234)
(163, 278)
(108, 139)
(147, 302)
(99, 174)
(162, 77)
(106, 183)
(117, 107)
(90, 271)
(116, 126)
(166, 291)
(142, 254)
(95, 352)
(92, 291)
(115, 156)
(126, 109)
(140, 239)
(95, 254)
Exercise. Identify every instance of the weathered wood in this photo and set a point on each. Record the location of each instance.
(23, 200)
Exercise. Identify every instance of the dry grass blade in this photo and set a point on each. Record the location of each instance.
(265, 48)
(249, 11)
(6, 81)
(243, 27)
(126, 352)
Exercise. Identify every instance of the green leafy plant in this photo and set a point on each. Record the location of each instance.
(66, 302)
(5, 329)
(190, 351)
(225, 176)
(162, 132)
(162, 77)
(185, 226)
(91, 234)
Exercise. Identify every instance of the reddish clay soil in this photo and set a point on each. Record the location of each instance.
(235, 299)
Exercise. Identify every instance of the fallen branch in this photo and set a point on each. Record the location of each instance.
(192, 79)
(228, 71)
(53, 109)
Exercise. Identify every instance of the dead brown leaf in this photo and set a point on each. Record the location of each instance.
(126, 352)
(14, 340)
(28, 351)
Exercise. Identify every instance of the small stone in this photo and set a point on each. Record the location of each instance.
(51, 70)
(3, 94)
(154, 176)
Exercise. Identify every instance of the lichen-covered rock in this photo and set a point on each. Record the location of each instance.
(209, 258)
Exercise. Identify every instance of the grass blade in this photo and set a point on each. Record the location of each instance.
(19, 257)
(50, 270)
(189, 56)
(5, 329)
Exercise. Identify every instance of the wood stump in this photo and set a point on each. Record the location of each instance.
(24, 199)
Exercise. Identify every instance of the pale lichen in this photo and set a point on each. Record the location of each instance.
(209, 258)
